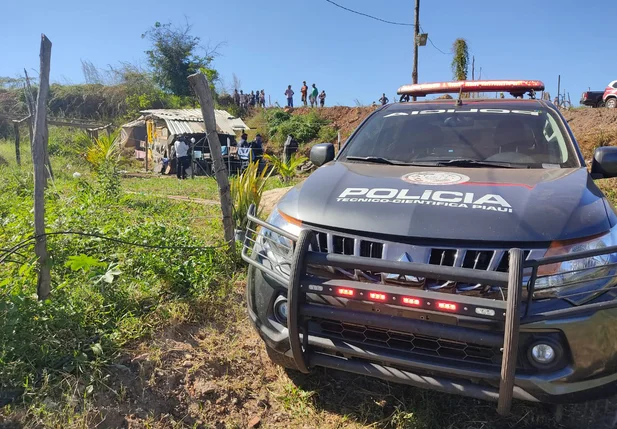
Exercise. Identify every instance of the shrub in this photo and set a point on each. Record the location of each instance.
(328, 134)
(246, 189)
(103, 149)
(287, 170)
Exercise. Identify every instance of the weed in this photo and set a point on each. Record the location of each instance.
(247, 189)
(286, 168)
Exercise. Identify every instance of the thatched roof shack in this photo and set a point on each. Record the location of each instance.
(159, 127)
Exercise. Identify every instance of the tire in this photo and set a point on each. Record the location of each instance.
(600, 104)
(611, 103)
(600, 414)
(281, 360)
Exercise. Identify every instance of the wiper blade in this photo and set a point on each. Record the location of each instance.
(478, 163)
(375, 160)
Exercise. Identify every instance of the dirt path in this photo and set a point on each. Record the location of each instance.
(268, 199)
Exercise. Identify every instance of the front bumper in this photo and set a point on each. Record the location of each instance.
(587, 333)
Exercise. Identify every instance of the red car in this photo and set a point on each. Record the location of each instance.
(610, 95)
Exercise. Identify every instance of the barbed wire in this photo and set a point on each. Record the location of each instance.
(28, 241)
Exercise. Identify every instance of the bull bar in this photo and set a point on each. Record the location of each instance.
(506, 313)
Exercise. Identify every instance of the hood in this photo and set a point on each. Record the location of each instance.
(478, 204)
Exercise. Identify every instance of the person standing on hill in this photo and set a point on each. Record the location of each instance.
(290, 96)
(182, 157)
(384, 100)
(304, 92)
(242, 99)
(314, 95)
(236, 98)
(262, 98)
(322, 98)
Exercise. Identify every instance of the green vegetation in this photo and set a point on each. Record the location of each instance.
(460, 61)
(304, 128)
(247, 189)
(105, 293)
(173, 57)
(287, 169)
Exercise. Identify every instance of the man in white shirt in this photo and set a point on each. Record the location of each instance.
(182, 158)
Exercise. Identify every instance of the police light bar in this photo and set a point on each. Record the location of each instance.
(515, 87)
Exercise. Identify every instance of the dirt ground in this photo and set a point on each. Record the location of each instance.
(217, 375)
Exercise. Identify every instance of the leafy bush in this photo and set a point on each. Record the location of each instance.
(304, 128)
(246, 189)
(67, 142)
(103, 149)
(287, 170)
(328, 134)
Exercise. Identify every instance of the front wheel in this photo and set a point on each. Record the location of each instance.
(611, 103)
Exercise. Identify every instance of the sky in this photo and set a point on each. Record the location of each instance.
(270, 44)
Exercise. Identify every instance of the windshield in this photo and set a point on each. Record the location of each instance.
(523, 137)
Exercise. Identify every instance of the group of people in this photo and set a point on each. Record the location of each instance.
(313, 98)
(255, 98)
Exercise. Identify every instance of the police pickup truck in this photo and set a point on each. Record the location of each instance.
(457, 245)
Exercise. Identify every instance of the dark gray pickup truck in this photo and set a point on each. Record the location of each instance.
(457, 245)
(592, 98)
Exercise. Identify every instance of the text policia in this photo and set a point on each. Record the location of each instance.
(466, 200)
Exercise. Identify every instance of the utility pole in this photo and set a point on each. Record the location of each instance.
(473, 73)
(416, 31)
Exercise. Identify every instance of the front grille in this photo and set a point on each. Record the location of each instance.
(345, 245)
(478, 259)
(408, 343)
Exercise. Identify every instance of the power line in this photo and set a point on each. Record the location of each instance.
(445, 53)
(370, 16)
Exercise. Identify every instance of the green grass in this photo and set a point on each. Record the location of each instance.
(198, 187)
(104, 294)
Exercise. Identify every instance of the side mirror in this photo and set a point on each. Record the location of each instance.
(322, 153)
(604, 164)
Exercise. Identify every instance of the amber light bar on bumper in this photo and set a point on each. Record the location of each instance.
(360, 292)
(515, 87)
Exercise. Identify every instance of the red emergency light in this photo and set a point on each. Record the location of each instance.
(377, 296)
(410, 301)
(446, 306)
(515, 87)
(345, 292)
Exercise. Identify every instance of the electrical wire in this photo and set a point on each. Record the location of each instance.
(371, 16)
(445, 53)
(387, 22)
(434, 46)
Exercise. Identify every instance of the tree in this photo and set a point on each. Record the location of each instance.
(174, 56)
(460, 62)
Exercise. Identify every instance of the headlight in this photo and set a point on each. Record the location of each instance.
(578, 280)
(277, 249)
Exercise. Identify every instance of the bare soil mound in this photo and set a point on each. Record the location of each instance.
(593, 128)
(343, 118)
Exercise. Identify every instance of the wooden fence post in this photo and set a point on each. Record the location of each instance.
(39, 152)
(199, 83)
(17, 152)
